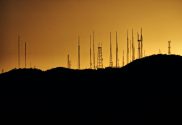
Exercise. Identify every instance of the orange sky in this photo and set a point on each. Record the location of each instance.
(51, 28)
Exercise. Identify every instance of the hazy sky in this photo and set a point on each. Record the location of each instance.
(51, 29)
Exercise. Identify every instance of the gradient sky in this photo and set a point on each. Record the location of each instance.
(51, 28)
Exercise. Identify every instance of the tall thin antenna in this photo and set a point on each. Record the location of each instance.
(127, 48)
(18, 51)
(90, 52)
(130, 51)
(93, 51)
(123, 57)
(133, 47)
(28, 54)
(138, 46)
(78, 52)
(25, 55)
(110, 63)
(68, 65)
(141, 40)
(116, 50)
(68, 61)
(169, 47)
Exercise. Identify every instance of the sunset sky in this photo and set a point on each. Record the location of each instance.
(51, 29)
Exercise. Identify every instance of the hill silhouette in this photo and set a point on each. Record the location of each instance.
(145, 91)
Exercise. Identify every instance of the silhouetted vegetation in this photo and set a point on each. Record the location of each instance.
(145, 91)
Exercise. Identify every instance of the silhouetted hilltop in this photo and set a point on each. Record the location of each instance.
(158, 63)
(151, 85)
(21, 73)
(152, 72)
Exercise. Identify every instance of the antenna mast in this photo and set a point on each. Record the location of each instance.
(99, 57)
(18, 51)
(169, 47)
(25, 54)
(93, 51)
(138, 46)
(78, 52)
(133, 47)
(111, 63)
(141, 40)
(123, 57)
(90, 53)
(69, 62)
(116, 51)
(127, 48)
(130, 51)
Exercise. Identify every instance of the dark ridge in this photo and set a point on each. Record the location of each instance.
(22, 71)
(154, 61)
(146, 91)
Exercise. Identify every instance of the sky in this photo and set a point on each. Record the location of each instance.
(50, 29)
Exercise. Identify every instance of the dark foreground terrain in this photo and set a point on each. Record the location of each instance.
(146, 91)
